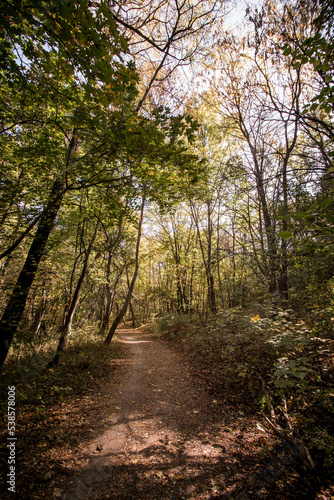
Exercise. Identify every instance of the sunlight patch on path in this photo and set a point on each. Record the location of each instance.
(160, 440)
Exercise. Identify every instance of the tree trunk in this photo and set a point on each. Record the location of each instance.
(283, 279)
(207, 260)
(107, 311)
(180, 307)
(218, 261)
(15, 307)
(133, 317)
(109, 302)
(66, 329)
(122, 312)
(210, 278)
(38, 316)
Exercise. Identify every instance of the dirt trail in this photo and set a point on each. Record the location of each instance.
(164, 436)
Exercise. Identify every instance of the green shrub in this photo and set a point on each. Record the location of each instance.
(174, 325)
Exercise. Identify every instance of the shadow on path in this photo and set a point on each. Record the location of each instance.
(164, 437)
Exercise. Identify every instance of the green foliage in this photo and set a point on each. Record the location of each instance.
(318, 51)
(74, 120)
(312, 258)
(289, 374)
(172, 326)
(303, 374)
(238, 352)
(84, 361)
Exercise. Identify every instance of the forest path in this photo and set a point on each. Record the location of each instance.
(164, 436)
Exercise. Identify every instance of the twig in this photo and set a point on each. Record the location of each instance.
(298, 443)
(286, 414)
(267, 397)
(286, 435)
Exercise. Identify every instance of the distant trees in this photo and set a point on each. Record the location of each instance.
(263, 219)
(73, 132)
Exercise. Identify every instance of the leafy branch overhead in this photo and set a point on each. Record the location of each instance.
(74, 124)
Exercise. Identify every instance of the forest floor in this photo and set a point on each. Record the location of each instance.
(164, 436)
(153, 429)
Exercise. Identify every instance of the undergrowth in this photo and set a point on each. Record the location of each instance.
(275, 363)
(34, 383)
(50, 405)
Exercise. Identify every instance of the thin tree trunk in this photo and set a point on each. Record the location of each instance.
(210, 278)
(283, 280)
(133, 317)
(38, 316)
(123, 310)
(66, 329)
(268, 223)
(234, 267)
(13, 312)
(109, 296)
(218, 261)
(207, 261)
(107, 311)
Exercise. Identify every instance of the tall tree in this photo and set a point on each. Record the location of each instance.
(60, 67)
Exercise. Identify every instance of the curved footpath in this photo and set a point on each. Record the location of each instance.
(165, 437)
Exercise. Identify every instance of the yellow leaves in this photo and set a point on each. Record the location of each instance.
(256, 318)
(57, 28)
(109, 86)
(57, 492)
